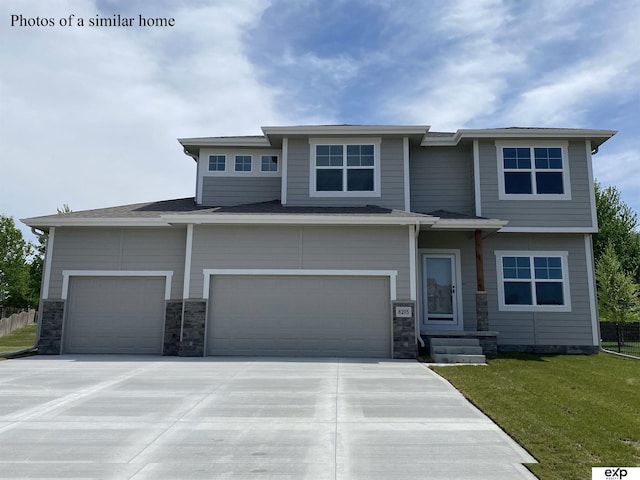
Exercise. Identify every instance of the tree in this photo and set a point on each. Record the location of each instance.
(617, 225)
(617, 292)
(14, 267)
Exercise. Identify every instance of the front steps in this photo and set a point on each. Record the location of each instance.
(456, 350)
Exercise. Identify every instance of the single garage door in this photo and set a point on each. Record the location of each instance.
(115, 315)
(299, 316)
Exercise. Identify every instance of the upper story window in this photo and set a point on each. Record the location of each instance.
(345, 169)
(243, 163)
(533, 172)
(530, 281)
(269, 163)
(217, 163)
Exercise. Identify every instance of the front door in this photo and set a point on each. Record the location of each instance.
(440, 292)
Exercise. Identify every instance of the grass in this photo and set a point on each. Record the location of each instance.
(18, 340)
(571, 412)
(629, 348)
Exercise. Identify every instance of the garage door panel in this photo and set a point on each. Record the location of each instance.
(306, 315)
(115, 315)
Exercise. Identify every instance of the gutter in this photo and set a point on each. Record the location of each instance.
(416, 322)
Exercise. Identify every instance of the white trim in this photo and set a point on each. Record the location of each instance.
(284, 170)
(476, 178)
(593, 299)
(376, 192)
(225, 142)
(537, 133)
(592, 194)
(296, 219)
(407, 180)
(54, 221)
(413, 289)
(187, 262)
(566, 286)
(392, 274)
(566, 177)
(470, 224)
(168, 274)
(548, 230)
(347, 130)
(459, 314)
(48, 259)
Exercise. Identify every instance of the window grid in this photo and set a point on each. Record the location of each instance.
(545, 175)
(217, 163)
(545, 288)
(269, 163)
(340, 169)
(243, 163)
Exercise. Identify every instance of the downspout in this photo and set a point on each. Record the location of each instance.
(39, 234)
(415, 314)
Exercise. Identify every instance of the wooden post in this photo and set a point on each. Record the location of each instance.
(479, 261)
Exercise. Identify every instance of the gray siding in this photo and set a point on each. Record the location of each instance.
(391, 180)
(227, 190)
(538, 213)
(464, 242)
(442, 179)
(300, 247)
(118, 249)
(541, 328)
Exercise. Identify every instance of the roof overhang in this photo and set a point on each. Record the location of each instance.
(297, 219)
(597, 137)
(450, 224)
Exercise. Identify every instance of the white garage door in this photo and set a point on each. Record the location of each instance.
(299, 316)
(114, 315)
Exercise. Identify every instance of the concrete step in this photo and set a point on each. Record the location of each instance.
(444, 358)
(456, 350)
(454, 342)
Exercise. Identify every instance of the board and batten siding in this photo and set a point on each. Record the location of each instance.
(229, 190)
(454, 241)
(442, 179)
(118, 249)
(541, 328)
(300, 247)
(538, 213)
(391, 179)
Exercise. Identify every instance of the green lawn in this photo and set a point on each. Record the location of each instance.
(18, 340)
(571, 412)
(629, 348)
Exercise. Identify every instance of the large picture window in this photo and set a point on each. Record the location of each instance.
(533, 281)
(533, 172)
(345, 169)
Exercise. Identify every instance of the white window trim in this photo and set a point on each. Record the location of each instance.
(566, 181)
(226, 163)
(392, 274)
(566, 286)
(313, 142)
(243, 172)
(230, 164)
(277, 170)
(66, 274)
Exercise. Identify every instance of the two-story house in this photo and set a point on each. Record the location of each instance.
(339, 241)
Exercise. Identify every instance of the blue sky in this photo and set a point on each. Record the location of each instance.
(90, 115)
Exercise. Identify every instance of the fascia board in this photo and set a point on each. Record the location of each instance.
(348, 130)
(508, 133)
(471, 224)
(225, 142)
(293, 219)
(95, 222)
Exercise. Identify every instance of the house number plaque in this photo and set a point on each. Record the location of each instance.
(404, 312)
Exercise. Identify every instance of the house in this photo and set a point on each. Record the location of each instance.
(339, 240)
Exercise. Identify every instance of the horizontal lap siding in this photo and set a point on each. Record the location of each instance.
(118, 249)
(538, 213)
(442, 179)
(392, 177)
(300, 247)
(227, 190)
(541, 328)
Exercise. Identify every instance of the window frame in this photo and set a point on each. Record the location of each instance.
(244, 156)
(262, 170)
(532, 254)
(566, 181)
(344, 193)
(209, 157)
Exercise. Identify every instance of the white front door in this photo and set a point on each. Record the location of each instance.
(440, 292)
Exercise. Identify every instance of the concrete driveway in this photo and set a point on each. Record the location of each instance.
(113, 417)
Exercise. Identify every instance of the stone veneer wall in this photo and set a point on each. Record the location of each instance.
(194, 322)
(172, 324)
(51, 323)
(404, 331)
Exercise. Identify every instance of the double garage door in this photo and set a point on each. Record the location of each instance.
(259, 315)
(320, 316)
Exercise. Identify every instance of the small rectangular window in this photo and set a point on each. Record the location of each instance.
(243, 163)
(269, 163)
(217, 163)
